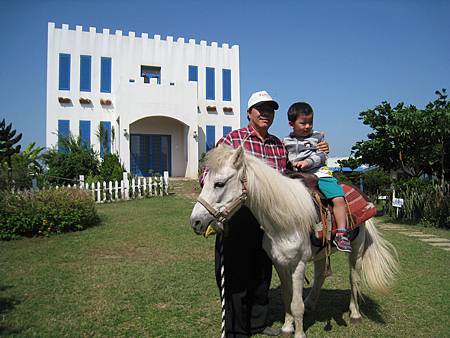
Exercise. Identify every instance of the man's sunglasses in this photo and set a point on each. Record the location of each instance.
(265, 109)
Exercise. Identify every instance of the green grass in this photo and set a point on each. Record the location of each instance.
(143, 273)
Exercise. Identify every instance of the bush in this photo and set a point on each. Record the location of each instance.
(46, 211)
(424, 201)
(375, 181)
(111, 169)
(75, 160)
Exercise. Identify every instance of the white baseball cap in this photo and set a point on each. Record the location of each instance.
(260, 97)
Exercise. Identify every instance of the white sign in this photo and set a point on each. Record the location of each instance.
(382, 197)
(397, 202)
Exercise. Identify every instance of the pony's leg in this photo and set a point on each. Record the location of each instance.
(286, 289)
(297, 306)
(355, 262)
(319, 278)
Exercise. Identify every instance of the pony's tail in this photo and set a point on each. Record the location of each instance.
(379, 263)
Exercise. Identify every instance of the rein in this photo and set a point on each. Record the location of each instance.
(224, 215)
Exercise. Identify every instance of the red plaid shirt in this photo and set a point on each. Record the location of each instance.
(271, 149)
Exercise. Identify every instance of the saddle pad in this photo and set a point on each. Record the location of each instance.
(360, 209)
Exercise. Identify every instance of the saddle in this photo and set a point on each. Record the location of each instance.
(359, 208)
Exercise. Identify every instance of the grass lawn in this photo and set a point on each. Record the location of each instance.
(143, 273)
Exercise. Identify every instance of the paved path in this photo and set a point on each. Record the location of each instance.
(433, 240)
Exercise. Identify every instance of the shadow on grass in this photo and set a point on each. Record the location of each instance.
(332, 305)
(7, 304)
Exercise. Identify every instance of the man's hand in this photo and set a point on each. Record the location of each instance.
(323, 147)
(300, 165)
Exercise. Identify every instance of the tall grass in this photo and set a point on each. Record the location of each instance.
(424, 201)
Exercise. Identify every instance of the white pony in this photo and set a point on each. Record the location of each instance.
(286, 212)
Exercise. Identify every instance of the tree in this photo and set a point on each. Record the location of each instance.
(406, 138)
(8, 147)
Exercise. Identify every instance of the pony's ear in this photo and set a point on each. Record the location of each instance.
(238, 157)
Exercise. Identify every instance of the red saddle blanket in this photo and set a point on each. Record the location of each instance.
(359, 210)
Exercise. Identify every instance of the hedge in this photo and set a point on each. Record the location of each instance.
(44, 212)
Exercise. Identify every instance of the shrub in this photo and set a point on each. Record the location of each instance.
(46, 211)
(111, 169)
(424, 201)
(75, 160)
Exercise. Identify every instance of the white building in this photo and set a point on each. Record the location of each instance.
(161, 102)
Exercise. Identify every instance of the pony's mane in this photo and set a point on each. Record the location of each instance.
(276, 200)
(218, 157)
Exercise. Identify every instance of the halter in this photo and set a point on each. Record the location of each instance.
(224, 215)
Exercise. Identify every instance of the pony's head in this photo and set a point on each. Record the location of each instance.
(223, 190)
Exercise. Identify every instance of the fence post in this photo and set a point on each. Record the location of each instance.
(93, 191)
(34, 184)
(155, 186)
(161, 186)
(166, 183)
(81, 181)
(99, 199)
(133, 187)
(104, 191)
(144, 186)
(110, 189)
(150, 188)
(125, 186)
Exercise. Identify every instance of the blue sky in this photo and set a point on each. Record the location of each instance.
(342, 57)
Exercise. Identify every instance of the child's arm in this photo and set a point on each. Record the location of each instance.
(317, 158)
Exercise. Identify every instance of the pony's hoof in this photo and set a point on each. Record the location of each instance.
(286, 334)
(357, 320)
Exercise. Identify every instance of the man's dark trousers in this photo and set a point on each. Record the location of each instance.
(248, 272)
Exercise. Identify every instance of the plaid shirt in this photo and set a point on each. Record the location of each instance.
(271, 149)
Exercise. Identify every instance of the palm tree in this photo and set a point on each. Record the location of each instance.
(8, 147)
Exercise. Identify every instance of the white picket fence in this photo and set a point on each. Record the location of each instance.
(126, 189)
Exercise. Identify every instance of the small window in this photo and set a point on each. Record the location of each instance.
(226, 130)
(85, 73)
(64, 71)
(105, 75)
(85, 133)
(210, 85)
(226, 84)
(193, 73)
(105, 138)
(63, 132)
(210, 137)
(151, 72)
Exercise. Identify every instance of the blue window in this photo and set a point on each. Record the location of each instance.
(226, 130)
(210, 137)
(63, 132)
(105, 138)
(64, 71)
(85, 73)
(151, 72)
(193, 73)
(226, 84)
(85, 133)
(105, 75)
(210, 86)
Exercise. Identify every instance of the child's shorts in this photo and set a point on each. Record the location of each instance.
(330, 187)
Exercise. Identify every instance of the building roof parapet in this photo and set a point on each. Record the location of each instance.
(156, 37)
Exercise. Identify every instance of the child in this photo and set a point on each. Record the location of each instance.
(304, 156)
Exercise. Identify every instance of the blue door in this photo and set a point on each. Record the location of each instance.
(150, 154)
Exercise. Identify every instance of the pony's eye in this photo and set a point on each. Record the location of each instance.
(219, 184)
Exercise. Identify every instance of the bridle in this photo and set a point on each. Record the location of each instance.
(224, 215)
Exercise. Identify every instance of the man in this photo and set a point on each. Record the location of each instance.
(248, 269)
